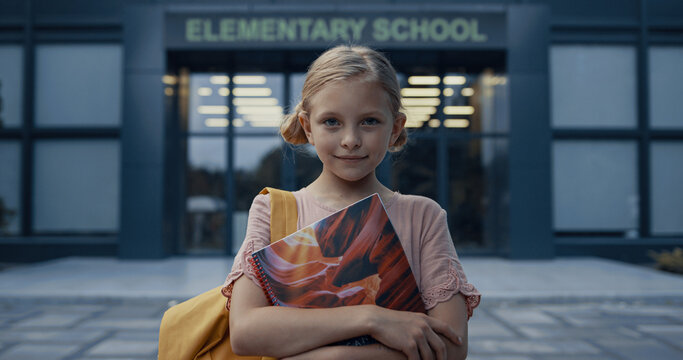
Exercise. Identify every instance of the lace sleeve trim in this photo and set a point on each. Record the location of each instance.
(453, 285)
(241, 267)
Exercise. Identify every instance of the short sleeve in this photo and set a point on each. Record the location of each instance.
(442, 275)
(257, 237)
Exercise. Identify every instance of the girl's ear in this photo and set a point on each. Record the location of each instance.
(397, 127)
(306, 126)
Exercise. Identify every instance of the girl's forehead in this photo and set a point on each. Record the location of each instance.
(355, 92)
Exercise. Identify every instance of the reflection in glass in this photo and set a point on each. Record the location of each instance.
(78, 85)
(414, 168)
(257, 164)
(420, 96)
(665, 187)
(478, 190)
(205, 191)
(476, 103)
(666, 86)
(593, 86)
(296, 85)
(76, 186)
(258, 101)
(595, 186)
(208, 102)
(10, 188)
(11, 85)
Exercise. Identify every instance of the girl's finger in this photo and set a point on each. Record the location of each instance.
(437, 346)
(425, 350)
(445, 330)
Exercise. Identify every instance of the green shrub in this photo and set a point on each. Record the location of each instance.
(669, 260)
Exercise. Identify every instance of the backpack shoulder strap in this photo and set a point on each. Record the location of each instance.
(283, 213)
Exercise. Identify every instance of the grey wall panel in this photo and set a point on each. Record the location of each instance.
(143, 135)
(530, 196)
(582, 11)
(140, 236)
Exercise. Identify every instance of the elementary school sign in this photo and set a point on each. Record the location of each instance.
(249, 30)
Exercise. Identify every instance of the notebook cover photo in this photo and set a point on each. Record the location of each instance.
(351, 257)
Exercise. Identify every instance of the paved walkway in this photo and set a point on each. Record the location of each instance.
(85, 308)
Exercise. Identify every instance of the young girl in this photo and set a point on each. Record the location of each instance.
(350, 113)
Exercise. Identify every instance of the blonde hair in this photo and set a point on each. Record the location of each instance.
(340, 63)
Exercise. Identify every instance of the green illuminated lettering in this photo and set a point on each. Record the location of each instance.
(226, 30)
(193, 30)
(305, 26)
(248, 29)
(460, 30)
(286, 29)
(396, 33)
(320, 31)
(421, 29)
(357, 26)
(381, 29)
(338, 29)
(434, 29)
(268, 29)
(209, 35)
(476, 36)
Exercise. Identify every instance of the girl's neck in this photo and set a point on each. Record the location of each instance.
(337, 193)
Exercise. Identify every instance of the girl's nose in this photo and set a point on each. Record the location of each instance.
(351, 139)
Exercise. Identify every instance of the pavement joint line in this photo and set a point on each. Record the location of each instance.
(85, 348)
(605, 350)
(506, 325)
(648, 335)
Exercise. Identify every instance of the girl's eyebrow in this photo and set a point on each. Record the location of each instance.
(376, 113)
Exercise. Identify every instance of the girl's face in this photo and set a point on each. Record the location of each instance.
(351, 125)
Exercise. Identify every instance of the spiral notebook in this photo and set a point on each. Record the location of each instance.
(351, 257)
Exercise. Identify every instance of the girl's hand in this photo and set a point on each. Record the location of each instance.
(370, 352)
(414, 334)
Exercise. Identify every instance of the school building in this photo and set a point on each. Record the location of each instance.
(144, 128)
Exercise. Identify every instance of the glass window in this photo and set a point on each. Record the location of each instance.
(475, 103)
(666, 87)
(296, 85)
(593, 86)
(665, 188)
(10, 188)
(258, 101)
(595, 186)
(78, 85)
(478, 192)
(308, 166)
(205, 191)
(420, 96)
(257, 164)
(76, 187)
(11, 86)
(208, 102)
(414, 168)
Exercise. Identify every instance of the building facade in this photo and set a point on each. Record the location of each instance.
(143, 129)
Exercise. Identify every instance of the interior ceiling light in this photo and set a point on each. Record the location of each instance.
(421, 102)
(456, 123)
(424, 80)
(242, 101)
(219, 79)
(249, 80)
(454, 80)
(169, 79)
(467, 92)
(223, 91)
(421, 110)
(274, 110)
(212, 109)
(216, 122)
(434, 123)
(458, 110)
(416, 92)
(204, 91)
(245, 91)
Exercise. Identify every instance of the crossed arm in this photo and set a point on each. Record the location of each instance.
(259, 329)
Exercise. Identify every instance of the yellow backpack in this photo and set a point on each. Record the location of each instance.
(197, 329)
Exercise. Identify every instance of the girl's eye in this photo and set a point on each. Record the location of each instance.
(331, 122)
(370, 121)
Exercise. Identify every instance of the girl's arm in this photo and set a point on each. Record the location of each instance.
(453, 312)
(259, 329)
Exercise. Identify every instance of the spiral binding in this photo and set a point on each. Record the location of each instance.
(265, 285)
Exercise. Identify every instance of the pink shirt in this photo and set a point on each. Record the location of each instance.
(421, 227)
